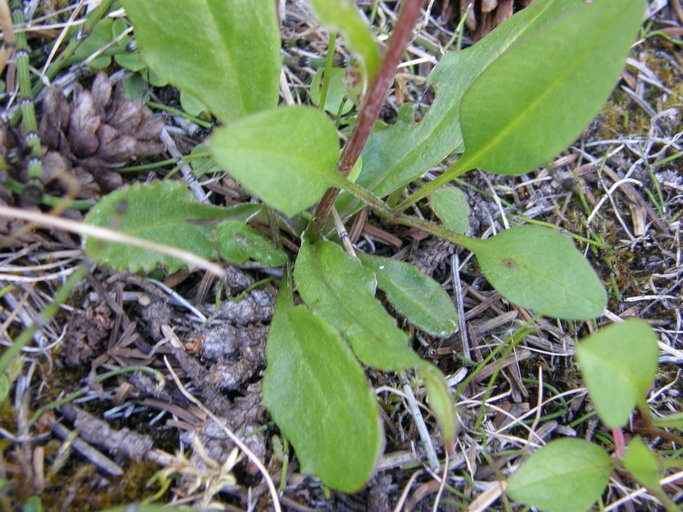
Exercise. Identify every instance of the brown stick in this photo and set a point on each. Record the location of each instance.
(372, 103)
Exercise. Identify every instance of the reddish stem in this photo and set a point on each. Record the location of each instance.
(619, 442)
(372, 103)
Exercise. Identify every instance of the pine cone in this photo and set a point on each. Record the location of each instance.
(94, 133)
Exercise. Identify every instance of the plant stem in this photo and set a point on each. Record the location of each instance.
(34, 187)
(91, 20)
(372, 103)
(383, 210)
(460, 167)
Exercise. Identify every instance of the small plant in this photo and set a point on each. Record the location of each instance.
(509, 104)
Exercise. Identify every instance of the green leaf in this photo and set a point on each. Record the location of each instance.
(336, 93)
(618, 365)
(238, 242)
(441, 402)
(190, 104)
(132, 61)
(670, 421)
(99, 38)
(343, 292)
(204, 164)
(163, 212)
(318, 395)
(566, 475)
(397, 155)
(343, 15)
(450, 205)
(226, 54)
(33, 504)
(286, 156)
(540, 269)
(538, 96)
(416, 296)
(642, 463)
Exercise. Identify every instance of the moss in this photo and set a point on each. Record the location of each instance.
(84, 489)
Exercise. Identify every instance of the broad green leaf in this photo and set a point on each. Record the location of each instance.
(416, 296)
(566, 475)
(286, 156)
(317, 394)
(336, 93)
(399, 154)
(618, 365)
(343, 15)
(226, 54)
(450, 205)
(163, 212)
(238, 242)
(343, 292)
(642, 463)
(540, 269)
(538, 96)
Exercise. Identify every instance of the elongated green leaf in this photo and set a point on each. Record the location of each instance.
(317, 394)
(342, 291)
(566, 475)
(540, 269)
(418, 297)
(642, 463)
(165, 213)
(238, 242)
(397, 155)
(226, 54)
(450, 205)
(441, 403)
(618, 364)
(286, 156)
(537, 97)
(343, 15)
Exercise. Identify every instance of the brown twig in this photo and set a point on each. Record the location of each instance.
(372, 103)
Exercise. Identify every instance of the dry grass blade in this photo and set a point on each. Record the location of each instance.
(108, 235)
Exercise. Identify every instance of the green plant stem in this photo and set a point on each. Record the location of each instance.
(180, 113)
(48, 313)
(329, 59)
(514, 339)
(461, 167)
(47, 200)
(92, 18)
(29, 124)
(155, 165)
(385, 211)
(100, 378)
(372, 103)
